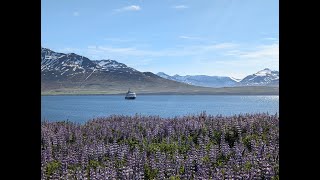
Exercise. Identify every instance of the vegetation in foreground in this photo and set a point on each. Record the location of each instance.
(150, 147)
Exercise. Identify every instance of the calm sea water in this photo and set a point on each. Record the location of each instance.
(83, 108)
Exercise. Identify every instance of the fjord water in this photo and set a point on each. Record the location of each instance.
(83, 108)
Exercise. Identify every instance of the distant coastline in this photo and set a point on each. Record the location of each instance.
(212, 91)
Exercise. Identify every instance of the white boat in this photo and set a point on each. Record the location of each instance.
(130, 95)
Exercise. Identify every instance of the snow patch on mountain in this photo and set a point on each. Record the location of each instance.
(265, 77)
(71, 64)
(235, 79)
(201, 80)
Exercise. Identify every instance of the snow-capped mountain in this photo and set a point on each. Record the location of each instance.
(69, 73)
(109, 65)
(265, 77)
(63, 71)
(60, 64)
(202, 80)
(166, 76)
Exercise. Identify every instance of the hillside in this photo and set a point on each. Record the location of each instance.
(75, 74)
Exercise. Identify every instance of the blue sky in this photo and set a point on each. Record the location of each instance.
(211, 37)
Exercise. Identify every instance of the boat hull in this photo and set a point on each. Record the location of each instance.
(130, 97)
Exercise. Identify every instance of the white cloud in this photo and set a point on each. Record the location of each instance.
(224, 46)
(270, 38)
(231, 52)
(75, 13)
(214, 59)
(176, 52)
(260, 57)
(189, 37)
(122, 51)
(129, 8)
(261, 52)
(118, 39)
(180, 7)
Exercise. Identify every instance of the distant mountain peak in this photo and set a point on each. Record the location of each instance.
(201, 80)
(264, 77)
(263, 72)
(162, 73)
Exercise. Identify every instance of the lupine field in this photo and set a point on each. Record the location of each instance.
(150, 147)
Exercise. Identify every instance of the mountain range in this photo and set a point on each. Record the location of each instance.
(201, 80)
(265, 77)
(75, 74)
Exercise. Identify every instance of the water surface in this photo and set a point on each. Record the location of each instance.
(83, 108)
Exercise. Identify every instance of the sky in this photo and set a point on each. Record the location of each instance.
(186, 37)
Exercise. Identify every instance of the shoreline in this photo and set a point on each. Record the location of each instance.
(248, 90)
(161, 94)
(146, 94)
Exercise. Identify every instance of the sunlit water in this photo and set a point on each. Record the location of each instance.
(83, 108)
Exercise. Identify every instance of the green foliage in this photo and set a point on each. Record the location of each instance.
(169, 148)
(194, 137)
(156, 140)
(132, 142)
(203, 131)
(208, 146)
(183, 138)
(197, 146)
(232, 136)
(219, 163)
(150, 173)
(181, 170)
(216, 137)
(121, 139)
(247, 166)
(105, 158)
(140, 128)
(223, 172)
(174, 178)
(74, 166)
(206, 159)
(94, 164)
(221, 160)
(184, 148)
(52, 167)
(264, 137)
(247, 140)
(120, 163)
